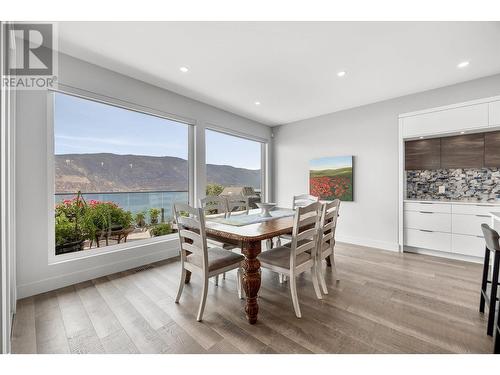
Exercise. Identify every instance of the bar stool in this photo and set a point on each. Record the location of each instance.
(492, 246)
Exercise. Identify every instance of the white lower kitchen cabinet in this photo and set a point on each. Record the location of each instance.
(452, 228)
(428, 240)
(468, 245)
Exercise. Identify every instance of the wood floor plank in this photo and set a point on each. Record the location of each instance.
(385, 302)
(24, 333)
(144, 337)
(81, 335)
(50, 331)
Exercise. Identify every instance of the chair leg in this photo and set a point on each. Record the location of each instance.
(278, 241)
(321, 278)
(493, 295)
(239, 282)
(295, 298)
(496, 348)
(334, 267)
(315, 281)
(181, 285)
(486, 265)
(203, 299)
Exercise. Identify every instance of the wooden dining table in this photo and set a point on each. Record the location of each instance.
(249, 239)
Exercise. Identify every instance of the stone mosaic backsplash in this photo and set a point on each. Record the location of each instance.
(482, 184)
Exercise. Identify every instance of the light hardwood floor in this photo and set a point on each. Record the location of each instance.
(384, 303)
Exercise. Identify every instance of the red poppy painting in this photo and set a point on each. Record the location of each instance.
(331, 178)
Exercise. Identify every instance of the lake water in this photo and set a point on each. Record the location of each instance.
(136, 201)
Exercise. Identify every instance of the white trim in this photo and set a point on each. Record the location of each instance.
(115, 102)
(44, 285)
(441, 254)
(451, 106)
(235, 133)
(86, 95)
(401, 183)
(377, 244)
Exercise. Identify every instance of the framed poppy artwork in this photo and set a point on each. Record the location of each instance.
(331, 178)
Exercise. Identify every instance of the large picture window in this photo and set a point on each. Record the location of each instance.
(117, 174)
(233, 166)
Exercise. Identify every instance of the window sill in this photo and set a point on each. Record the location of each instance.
(171, 239)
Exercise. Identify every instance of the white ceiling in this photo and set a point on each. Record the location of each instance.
(290, 67)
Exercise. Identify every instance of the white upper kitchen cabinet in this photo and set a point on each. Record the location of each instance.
(494, 108)
(447, 120)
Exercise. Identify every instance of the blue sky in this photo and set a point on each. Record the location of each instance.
(331, 163)
(84, 126)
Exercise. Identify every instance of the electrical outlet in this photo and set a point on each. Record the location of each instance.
(442, 189)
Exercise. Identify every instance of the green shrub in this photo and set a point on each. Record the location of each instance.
(67, 231)
(103, 216)
(153, 215)
(160, 229)
(213, 189)
(140, 219)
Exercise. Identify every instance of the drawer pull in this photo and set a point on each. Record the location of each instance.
(483, 216)
(426, 203)
(426, 212)
(485, 205)
(426, 230)
(480, 236)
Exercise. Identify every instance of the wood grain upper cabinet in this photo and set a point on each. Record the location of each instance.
(463, 151)
(423, 154)
(492, 149)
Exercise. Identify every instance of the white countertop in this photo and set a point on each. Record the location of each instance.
(450, 201)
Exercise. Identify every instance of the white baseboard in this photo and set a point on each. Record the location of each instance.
(45, 285)
(443, 254)
(384, 245)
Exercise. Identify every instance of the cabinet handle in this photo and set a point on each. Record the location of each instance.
(485, 205)
(480, 236)
(483, 215)
(426, 212)
(426, 203)
(425, 230)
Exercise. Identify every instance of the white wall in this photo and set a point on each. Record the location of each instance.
(34, 274)
(370, 134)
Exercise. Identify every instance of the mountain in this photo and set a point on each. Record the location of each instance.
(110, 172)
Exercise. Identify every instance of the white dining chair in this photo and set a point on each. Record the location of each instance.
(216, 205)
(326, 239)
(300, 200)
(301, 255)
(197, 258)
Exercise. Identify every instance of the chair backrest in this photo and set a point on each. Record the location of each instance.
(303, 200)
(191, 229)
(236, 203)
(491, 238)
(305, 231)
(214, 204)
(328, 223)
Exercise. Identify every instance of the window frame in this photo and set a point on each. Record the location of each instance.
(85, 95)
(264, 155)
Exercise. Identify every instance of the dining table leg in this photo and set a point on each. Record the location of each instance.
(251, 278)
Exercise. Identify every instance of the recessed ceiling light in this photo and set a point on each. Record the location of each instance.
(341, 74)
(462, 132)
(421, 137)
(183, 69)
(257, 103)
(463, 64)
